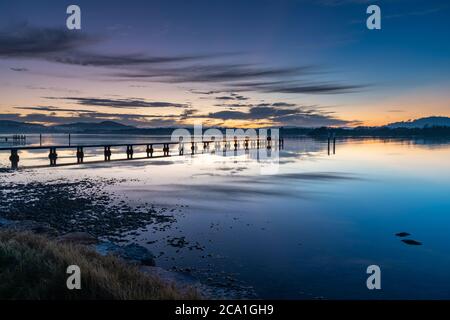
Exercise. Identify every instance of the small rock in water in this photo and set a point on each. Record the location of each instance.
(133, 253)
(412, 242)
(402, 234)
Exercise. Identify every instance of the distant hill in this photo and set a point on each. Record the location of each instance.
(7, 126)
(104, 126)
(431, 127)
(422, 123)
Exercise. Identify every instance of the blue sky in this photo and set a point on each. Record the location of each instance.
(292, 62)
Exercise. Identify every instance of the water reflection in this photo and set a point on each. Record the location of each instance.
(311, 229)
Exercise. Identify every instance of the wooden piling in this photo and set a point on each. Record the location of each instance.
(166, 149)
(14, 158)
(334, 143)
(107, 153)
(149, 150)
(130, 152)
(80, 155)
(53, 156)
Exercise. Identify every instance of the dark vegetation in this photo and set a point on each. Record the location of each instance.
(33, 267)
(369, 132)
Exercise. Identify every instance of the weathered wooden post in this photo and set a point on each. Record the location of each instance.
(53, 156)
(166, 149)
(80, 155)
(107, 153)
(149, 150)
(334, 143)
(130, 151)
(14, 158)
(328, 143)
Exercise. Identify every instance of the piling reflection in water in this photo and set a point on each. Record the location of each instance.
(15, 139)
(332, 139)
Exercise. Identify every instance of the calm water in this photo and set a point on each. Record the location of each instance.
(309, 230)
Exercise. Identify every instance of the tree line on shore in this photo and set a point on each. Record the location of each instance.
(434, 131)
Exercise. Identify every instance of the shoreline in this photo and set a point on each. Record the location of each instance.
(83, 213)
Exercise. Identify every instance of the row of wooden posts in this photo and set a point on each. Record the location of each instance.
(53, 156)
(15, 138)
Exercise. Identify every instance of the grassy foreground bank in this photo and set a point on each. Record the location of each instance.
(34, 267)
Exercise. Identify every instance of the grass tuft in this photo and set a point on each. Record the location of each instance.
(32, 267)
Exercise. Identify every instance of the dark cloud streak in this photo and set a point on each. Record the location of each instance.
(120, 103)
(243, 78)
(63, 46)
(298, 116)
(19, 69)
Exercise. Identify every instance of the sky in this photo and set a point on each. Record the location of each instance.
(229, 63)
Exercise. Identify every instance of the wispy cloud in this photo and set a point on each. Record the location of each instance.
(53, 109)
(99, 60)
(316, 87)
(298, 116)
(230, 81)
(53, 115)
(232, 97)
(55, 89)
(130, 103)
(62, 46)
(245, 77)
(19, 69)
(212, 73)
(234, 105)
(24, 41)
(277, 113)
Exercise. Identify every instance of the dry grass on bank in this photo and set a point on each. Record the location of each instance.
(34, 267)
